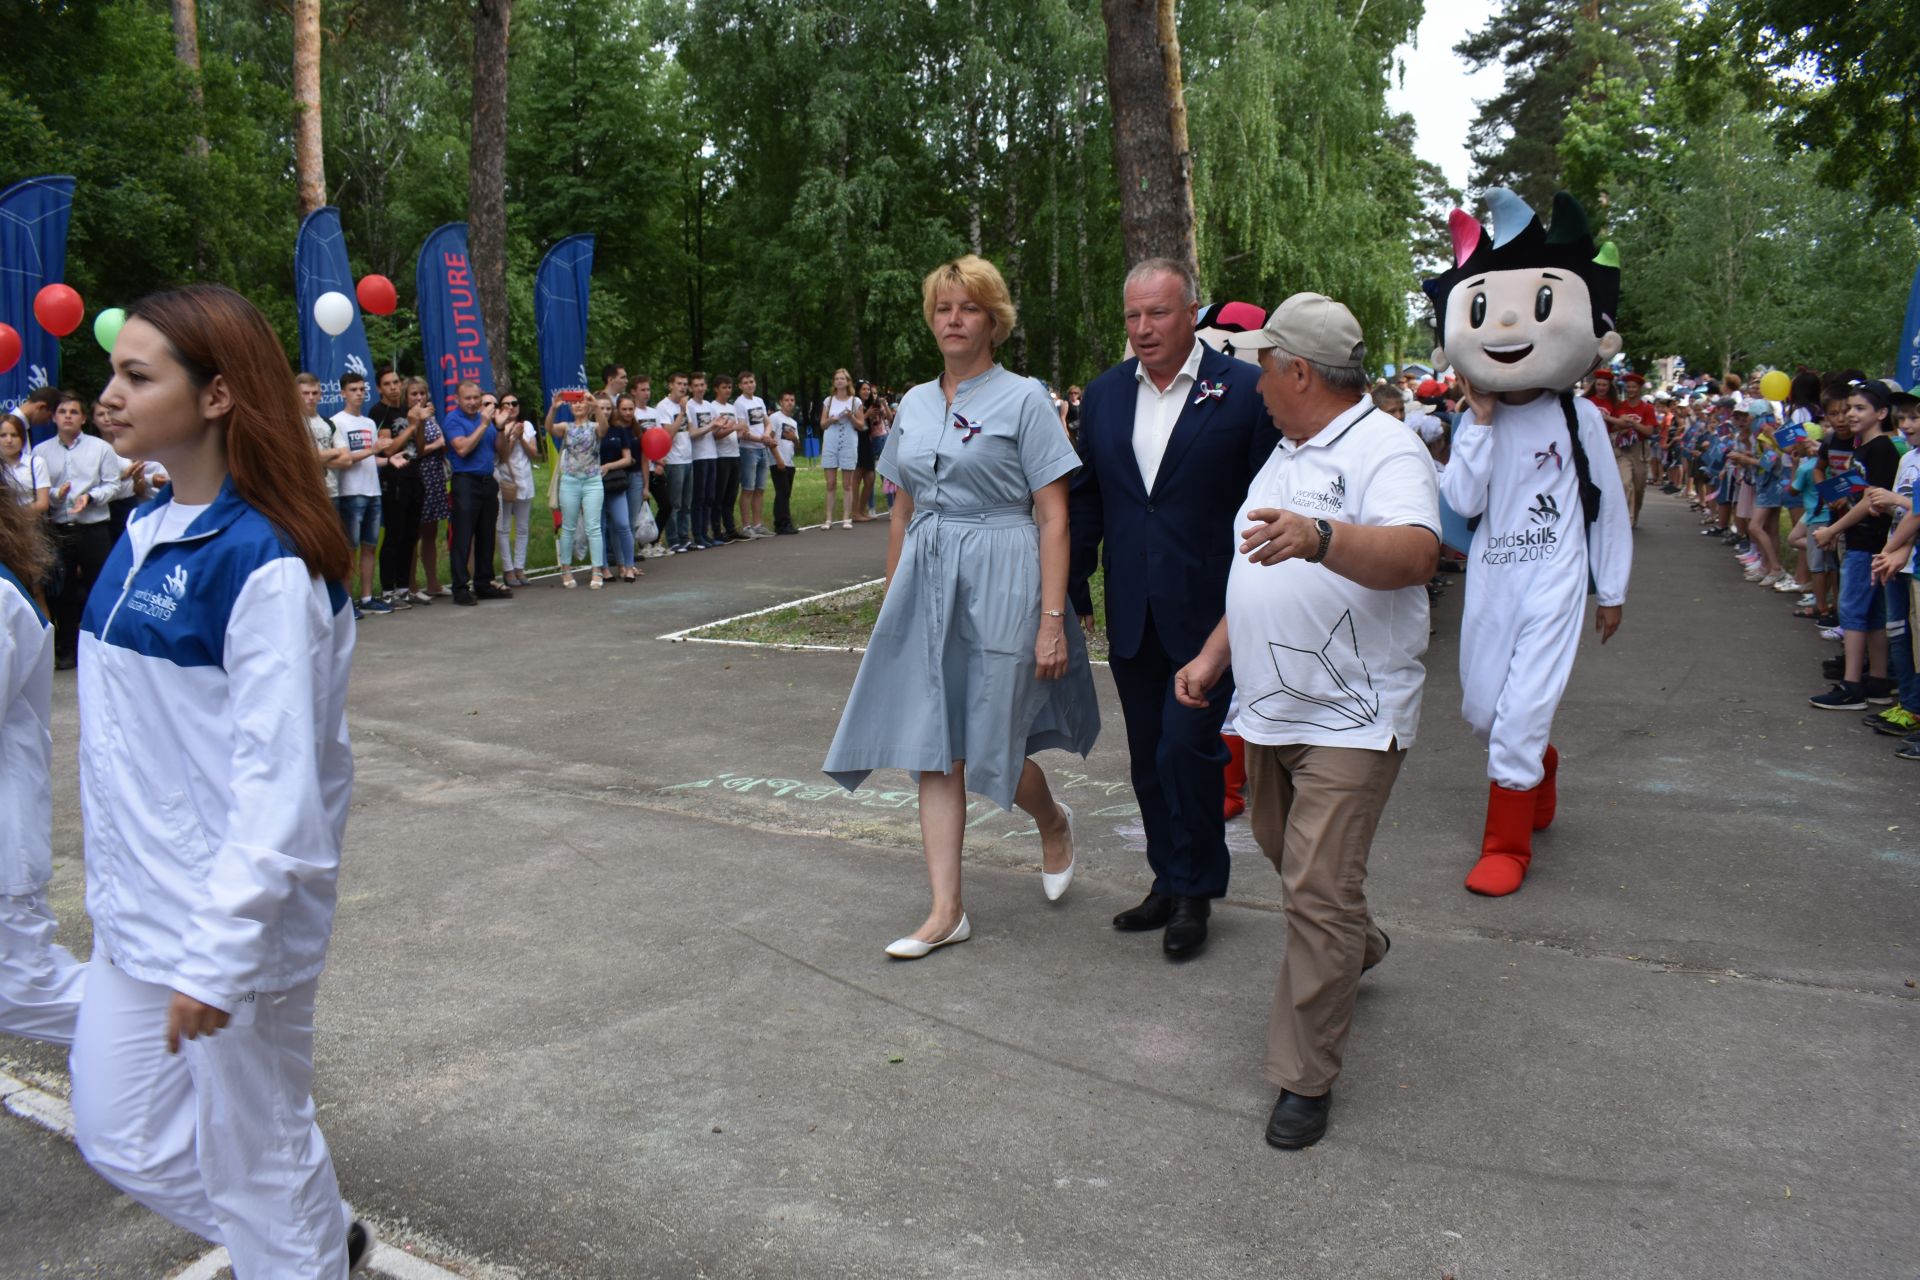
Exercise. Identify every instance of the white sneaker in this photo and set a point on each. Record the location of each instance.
(1829, 633)
(1806, 601)
(1786, 586)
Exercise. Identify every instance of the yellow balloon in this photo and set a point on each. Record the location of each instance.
(1776, 385)
(1815, 431)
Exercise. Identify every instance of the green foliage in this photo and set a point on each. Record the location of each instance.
(1558, 56)
(1841, 79)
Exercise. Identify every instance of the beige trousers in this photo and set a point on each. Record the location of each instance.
(1314, 811)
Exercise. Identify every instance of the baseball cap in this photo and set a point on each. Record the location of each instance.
(1759, 409)
(1313, 327)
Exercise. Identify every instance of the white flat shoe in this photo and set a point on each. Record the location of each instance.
(1056, 882)
(846, 524)
(911, 948)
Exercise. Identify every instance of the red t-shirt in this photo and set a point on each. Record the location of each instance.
(1642, 412)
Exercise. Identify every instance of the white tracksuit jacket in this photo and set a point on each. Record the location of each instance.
(215, 770)
(26, 741)
(1527, 570)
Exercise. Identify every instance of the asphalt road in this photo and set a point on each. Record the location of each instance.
(607, 995)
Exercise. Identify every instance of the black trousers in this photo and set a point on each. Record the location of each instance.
(663, 506)
(1177, 759)
(476, 510)
(402, 498)
(80, 551)
(782, 498)
(726, 481)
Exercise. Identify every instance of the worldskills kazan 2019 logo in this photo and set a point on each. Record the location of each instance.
(163, 603)
(1537, 544)
(1332, 499)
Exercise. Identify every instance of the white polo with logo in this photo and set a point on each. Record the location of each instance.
(1318, 659)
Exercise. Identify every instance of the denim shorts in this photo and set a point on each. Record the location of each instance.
(753, 467)
(1818, 559)
(360, 517)
(1863, 603)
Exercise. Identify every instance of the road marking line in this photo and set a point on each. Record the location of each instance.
(51, 1112)
(37, 1105)
(686, 633)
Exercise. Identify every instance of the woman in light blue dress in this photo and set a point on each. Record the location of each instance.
(975, 662)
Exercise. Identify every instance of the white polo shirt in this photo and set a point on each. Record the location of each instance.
(1157, 412)
(1318, 659)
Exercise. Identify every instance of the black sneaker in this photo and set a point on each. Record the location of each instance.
(1842, 697)
(1827, 620)
(464, 597)
(1880, 690)
(1834, 668)
(1910, 749)
(360, 1242)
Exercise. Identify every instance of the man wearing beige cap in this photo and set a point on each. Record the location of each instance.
(1326, 622)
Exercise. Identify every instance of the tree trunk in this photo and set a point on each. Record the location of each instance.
(309, 161)
(487, 180)
(1150, 154)
(1053, 247)
(186, 48)
(1010, 232)
(1090, 326)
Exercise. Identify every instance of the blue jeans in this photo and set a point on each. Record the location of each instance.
(581, 498)
(679, 503)
(1900, 591)
(706, 481)
(616, 532)
(1863, 605)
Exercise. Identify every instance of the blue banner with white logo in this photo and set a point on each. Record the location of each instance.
(450, 326)
(1906, 364)
(320, 266)
(33, 254)
(560, 318)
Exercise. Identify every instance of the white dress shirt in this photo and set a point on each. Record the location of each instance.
(1155, 412)
(90, 467)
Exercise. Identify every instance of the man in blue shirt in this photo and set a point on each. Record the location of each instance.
(476, 498)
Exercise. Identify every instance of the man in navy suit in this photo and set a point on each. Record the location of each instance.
(1169, 441)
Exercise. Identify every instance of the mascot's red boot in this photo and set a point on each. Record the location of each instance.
(1547, 795)
(1506, 850)
(1236, 803)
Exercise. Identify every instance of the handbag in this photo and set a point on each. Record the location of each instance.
(509, 491)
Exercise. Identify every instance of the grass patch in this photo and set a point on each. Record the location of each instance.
(845, 620)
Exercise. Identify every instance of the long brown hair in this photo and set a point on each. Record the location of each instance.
(215, 331)
(23, 541)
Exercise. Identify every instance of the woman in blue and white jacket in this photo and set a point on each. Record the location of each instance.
(215, 774)
(40, 982)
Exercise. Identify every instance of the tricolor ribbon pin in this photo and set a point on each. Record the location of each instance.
(1552, 451)
(961, 424)
(1209, 391)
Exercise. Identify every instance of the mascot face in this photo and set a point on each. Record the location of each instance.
(1526, 309)
(1220, 322)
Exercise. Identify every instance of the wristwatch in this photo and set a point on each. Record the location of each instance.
(1325, 531)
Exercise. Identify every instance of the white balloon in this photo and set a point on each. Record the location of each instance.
(333, 312)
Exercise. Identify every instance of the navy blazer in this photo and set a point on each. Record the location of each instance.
(1168, 550)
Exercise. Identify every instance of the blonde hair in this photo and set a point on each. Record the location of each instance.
(981, 281)
(834, 381)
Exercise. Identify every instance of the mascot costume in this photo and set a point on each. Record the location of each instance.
(1217, 325)
(1526, 312)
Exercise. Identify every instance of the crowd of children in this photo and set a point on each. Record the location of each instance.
(1814, 494)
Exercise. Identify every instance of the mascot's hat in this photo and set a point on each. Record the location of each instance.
(1518, 243)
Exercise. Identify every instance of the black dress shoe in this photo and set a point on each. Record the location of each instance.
(1298, 1121)
(1152, 913)
(464, 597)
(491, 592)
(1386, 945)
(1187, 928)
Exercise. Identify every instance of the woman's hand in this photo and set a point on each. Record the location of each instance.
(1050, 649)
(189, 1019)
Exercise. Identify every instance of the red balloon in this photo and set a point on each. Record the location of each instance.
(9, 347)
(655, 442)
(377, 295)
(58, 309)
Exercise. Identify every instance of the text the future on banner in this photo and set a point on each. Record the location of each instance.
(320, 266)
(1906, 363)
(450, 325)
(560, 311)
(34, 213)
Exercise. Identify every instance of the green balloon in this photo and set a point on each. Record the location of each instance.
(106, 327)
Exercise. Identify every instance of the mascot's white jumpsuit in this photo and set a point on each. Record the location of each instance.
(1527, 570)
(40, 983)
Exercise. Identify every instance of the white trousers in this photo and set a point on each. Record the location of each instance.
(511, 533)
(219, 1140)
(1516, 656)
(40, 981)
